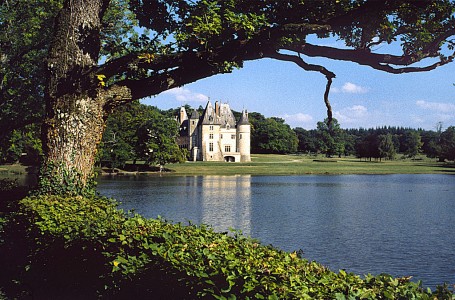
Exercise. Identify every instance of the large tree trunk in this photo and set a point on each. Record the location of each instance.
(75, 100)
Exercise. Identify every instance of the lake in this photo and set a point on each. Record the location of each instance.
(403, 225)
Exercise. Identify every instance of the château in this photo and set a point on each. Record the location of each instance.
(215, 135)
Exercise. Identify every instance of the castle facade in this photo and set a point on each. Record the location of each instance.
(216, 135)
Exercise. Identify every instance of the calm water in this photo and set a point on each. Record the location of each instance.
(398, 224)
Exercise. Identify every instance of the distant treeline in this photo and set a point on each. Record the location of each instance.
(385, 142)
(137, 132)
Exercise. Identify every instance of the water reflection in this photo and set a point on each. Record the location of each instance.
(223, 202)
(226, 202)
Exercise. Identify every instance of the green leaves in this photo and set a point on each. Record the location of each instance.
(157, 141)
(272, 135)
(210, 264)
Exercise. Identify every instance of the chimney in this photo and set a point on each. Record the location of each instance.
(217, 108)
(182, 116)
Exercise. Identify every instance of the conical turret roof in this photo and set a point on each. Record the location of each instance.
(244, 119)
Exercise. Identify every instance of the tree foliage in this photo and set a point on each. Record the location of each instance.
(26, 28)
(22, 145)
(330, 140)
(271, 135)
(412, 142)
(386, 147)
(221, 35)
(447, 145)
(378, 143)
(140, 132)
(157, 142)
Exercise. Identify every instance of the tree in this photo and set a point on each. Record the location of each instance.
(330, 137)
(120, 136)
(412, 143)
(207, 38)
(22, 145)
(307, 140)
(157, 142)
(25, 33)
(272, 135)
(448, 144)
(386, 147)
(114, 151)
(432, 142)
(368, 146)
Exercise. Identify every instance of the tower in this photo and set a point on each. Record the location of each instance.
(243, 137)
(194, 135)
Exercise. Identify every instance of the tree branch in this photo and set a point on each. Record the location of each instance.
(309, 67)
(184, 67)
(192, 66)
(390, 69)
(133, 60)
(377, 61)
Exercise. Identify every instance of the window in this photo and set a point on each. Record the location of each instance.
(227, 148)
(221, 136)
(211, 147)
(232, 136)
(211, 136)
(211, 127)
(240, 136)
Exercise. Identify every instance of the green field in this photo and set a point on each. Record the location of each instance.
(269, 164)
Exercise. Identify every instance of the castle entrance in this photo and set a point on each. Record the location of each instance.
(229, 159)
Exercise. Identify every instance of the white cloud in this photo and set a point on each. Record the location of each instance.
(299, 120)
(351, 114)
(185, 95)
(444, 108)
(350, 88)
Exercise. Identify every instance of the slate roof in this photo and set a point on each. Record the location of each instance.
(209, 116)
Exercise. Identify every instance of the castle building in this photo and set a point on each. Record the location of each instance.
(215, 136)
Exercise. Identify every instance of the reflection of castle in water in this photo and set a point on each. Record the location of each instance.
(227, 202)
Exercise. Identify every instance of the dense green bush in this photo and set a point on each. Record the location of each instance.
(106, 251)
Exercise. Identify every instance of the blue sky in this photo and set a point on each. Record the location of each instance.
(360, 95)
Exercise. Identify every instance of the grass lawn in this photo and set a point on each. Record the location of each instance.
(272, 164)
(269, 164)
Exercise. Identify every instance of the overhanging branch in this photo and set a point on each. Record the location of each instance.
(310, 67)
(193, 66)
(390, 69)
(382, 62)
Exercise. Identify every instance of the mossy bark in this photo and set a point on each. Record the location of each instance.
(75, 99)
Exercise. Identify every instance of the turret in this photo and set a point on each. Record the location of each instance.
(193, 134)
(243, 137)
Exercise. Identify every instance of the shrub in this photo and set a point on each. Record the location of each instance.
(7, 185)
(132, 255)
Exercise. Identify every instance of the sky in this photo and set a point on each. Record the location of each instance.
(360, 96)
